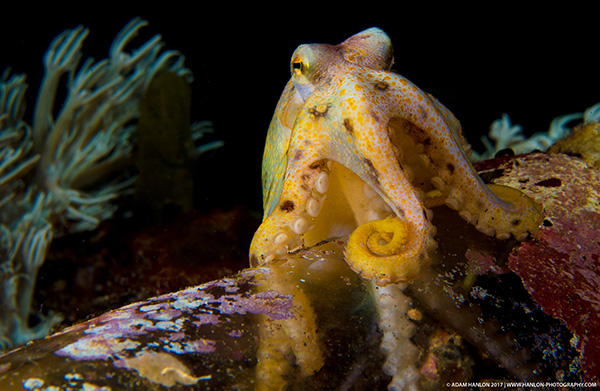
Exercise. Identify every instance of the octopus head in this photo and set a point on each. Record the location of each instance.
(315, 65)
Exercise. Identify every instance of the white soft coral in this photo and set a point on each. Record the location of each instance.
(66, 168)
(90, 138)
(506, 135)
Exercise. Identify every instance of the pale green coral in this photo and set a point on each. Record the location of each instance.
(91, 135)
(53, 174)
(505, 135)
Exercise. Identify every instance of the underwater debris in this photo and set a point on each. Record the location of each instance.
(166, 148)
(61, 174)
(164, 139)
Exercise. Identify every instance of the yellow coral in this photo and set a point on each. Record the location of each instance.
(584, 141)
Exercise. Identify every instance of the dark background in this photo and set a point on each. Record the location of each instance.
(534, 61)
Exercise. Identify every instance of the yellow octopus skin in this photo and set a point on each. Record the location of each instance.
(376, 249)
(352, 141)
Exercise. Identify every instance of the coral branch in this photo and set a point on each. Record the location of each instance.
(72, 162)
(92, 134)
(506, 135)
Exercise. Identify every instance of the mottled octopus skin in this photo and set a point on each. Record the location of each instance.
(346, 118)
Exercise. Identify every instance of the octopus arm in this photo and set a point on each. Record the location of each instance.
(378, 249)
(441, 152)
(359, 141)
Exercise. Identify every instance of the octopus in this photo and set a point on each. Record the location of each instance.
(354, 149)
(357, 151)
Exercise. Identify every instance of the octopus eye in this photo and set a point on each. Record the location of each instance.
(298, 66)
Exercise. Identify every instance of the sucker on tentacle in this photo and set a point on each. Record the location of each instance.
(401, 355)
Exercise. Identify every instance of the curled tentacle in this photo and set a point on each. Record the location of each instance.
(377, 250)
(386, 237)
